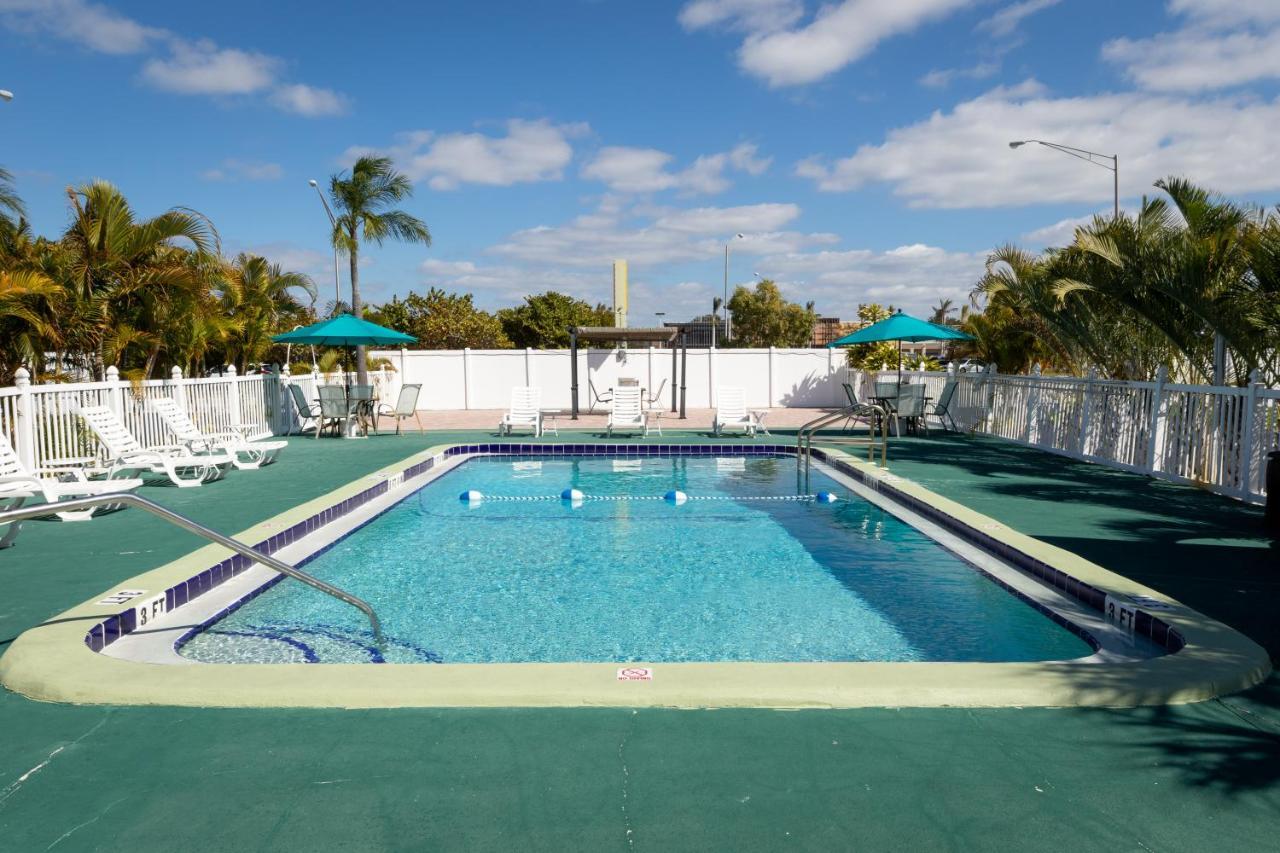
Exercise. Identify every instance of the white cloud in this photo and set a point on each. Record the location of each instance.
(309, 101)
(1197, 59)
(1004, 22)
(644, 170)
(943, 77)
(783, 54)
(1060, 233)
(203, 68)
(531, 151)
(1228, 12)
(752, 16)
(189, 67)
(247, 170)
(961, 159)
(89, 24)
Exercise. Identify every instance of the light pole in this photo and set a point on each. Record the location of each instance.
(1087, 156)
(726, 289)
(337, 287)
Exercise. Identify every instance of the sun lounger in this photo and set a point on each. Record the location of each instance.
(732, 413)
(245, 454)
(123, 452)
(18, 483)
(525, 412)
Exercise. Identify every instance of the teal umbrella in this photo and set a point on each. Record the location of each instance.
(901, 327)
(345, 330)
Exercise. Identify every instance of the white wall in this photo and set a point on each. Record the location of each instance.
(483, 379)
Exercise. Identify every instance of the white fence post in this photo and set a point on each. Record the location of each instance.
(1246, 442)
(233, 396)
(1159, 417)
(115, 391)
(25, 417)
(1031, 433)
(773, 401)
(466, 378)
(179, 391)
(528, 367)
(1086, 413)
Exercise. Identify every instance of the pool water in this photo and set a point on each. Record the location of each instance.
(626, 576)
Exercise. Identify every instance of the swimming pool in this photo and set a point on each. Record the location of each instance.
(741, 572)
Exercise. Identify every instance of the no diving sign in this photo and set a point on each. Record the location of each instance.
(635, 673)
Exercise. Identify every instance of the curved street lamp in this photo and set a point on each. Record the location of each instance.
(337, 287)
(726, 292)
(1087, 156)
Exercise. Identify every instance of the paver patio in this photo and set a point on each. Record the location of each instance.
(1197, 777)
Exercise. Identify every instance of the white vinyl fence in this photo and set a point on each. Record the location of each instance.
(1215, 437)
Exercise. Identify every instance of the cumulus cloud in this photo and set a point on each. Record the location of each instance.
(644, 170)
(1198, 59)
(529, 152)
(309, 101)
(176, 64)
(1004, 22)
(203, 68)
(89, 24)
(960, 159)
(782, 52)
(941, 78)
(246, 170)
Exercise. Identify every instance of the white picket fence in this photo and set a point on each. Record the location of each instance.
(1214, 437)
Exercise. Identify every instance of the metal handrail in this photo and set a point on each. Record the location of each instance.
(42, 510)
(804, 437)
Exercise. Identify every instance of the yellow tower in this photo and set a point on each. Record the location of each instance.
(620, 294)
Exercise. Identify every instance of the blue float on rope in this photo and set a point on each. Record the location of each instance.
(471, 496)
(827, 498)
(675, 496)
(572, 496)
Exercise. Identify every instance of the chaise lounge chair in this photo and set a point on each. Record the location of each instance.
(628, 411)
(245, 455)
(18, 482)
(731, 412)
(525, 413)
(122, 451)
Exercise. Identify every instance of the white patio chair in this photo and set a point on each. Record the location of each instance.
(731, 411)
(245, 454)
(18, 482)
(628, 410)
(406, 407)
(122, 452)
(525, 412)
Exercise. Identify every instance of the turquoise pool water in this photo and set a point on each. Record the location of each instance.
(724, 577)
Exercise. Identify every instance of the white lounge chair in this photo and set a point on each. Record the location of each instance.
(525, 413)
(176, 461)
(245, 455)
(628, 410)
(18, 482)
(731, 412)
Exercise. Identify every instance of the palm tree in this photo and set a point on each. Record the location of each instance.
(10, 203)
(941, 311)
(361, 200)
(257, 294)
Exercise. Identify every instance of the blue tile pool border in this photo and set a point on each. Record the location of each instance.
(117, 625)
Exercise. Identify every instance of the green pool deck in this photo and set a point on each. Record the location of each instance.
(1191, 777)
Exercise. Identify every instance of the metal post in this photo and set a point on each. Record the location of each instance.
(684, 372)
(726, 291)
(573, 374)
(675, 377)
(1115, 161)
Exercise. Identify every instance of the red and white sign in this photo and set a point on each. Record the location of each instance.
(635, 673)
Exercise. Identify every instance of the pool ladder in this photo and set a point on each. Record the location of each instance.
(22, 514)
(804, 438)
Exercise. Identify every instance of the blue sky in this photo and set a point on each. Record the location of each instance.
(859, 146)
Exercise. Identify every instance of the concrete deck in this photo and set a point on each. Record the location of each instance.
(1204, 776)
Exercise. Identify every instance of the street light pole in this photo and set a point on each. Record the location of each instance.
(337, 287)
(726, 289)
(1087, 156)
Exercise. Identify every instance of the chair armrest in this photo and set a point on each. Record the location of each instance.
(21, 480)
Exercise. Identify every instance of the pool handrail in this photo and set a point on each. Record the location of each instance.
(804, 438)
(127, 499)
